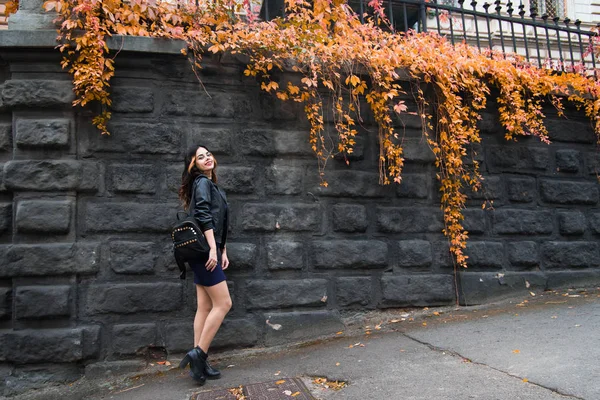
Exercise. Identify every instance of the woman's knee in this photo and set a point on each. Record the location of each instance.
(225, 304)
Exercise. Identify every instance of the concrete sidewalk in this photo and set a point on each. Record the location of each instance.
(541, 347)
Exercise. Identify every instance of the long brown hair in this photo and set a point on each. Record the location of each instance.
(190, 173)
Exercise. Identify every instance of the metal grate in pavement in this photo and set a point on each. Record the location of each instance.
(282, 389)
(218, 394)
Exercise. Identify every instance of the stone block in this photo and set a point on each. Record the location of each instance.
(349, 254)
(42, 345)
(485, 255)
(44, 216)
(261, 294)
(353, 291)
(592, 162)
(357, 151)
(572, 223)
(28, 377)
(569, 130)
(284, 180)
(129, 217)
(134, 178)
(42, 301)
(441, 255)
(414, 186)
(130, 339)
(286, 217)
(418, 151)
(474, 221)
(292, 143)
(348, 184)
(236, 179)
(517, 158)
(215, 139)
(236, 333)
(573, 279)
(45, 133)
(565, 255)
(521, 190)
(349, 218)
(198, 103)
(131, 298)
(37, 93)
(414, 253)
(594, 221)
(113, 369)
(491, 188)
(5, 137)
(51, 175)
(132, 99)
(567, 160)
(480, 288)
(523, 254)
(179, 337)
(256, 142)
(241, 255)
(409, 220)
(569, 192)
(91, 341)
(300, 326)
(417, 290)
(132, 257)
(49, 259)
(139, 138)
(285, 255)
(522, 222)
(5, 217)
(5, 303)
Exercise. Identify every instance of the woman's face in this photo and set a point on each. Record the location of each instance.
(205, 161)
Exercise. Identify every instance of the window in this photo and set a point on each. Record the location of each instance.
(553, 8)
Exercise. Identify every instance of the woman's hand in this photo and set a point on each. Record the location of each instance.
(212, 260)
(224, 260)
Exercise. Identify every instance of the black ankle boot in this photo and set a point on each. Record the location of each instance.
(209, 371)
(197, 366)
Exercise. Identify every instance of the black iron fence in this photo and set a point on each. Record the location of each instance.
(547, 41)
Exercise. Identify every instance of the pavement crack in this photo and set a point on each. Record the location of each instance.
(458, 355)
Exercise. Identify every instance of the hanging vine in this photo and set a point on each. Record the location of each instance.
(348, 62)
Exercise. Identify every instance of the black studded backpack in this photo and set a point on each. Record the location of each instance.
(189, 242)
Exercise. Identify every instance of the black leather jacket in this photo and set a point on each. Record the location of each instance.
(210, 208)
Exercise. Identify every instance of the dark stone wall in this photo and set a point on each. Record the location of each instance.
(86, 271)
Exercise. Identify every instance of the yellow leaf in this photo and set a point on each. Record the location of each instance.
(280, 382)
(516, 351)
(525, 380)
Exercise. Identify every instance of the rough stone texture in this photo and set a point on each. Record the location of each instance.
(349, 218)
(475, 221)
(292, 143)
(285, 293)
(139, 138)
(569, 192)
(563, 255)
(349, 184)
(5, 217)
(480, 288)
(491, 188)
(414, 253)
(241, 255)
(522, 190)
(132, 100)
(35, 376)
(129, 217)
(44, 216)
(236, 179)
(42, 301)
(571, 223)
(414, 186)
(522, 222)
(46, 345)
(594, 220)
(134, 178)
(5, 137)
(37, 93)
(568, 160)
(517, 158)
(349, 254)
(409, 220)
(179, 337)
(285, 255)
(133, 338)
(353, 291)
(131, 298)
(132, 257)
(417, 151)
(49, 259)
(45, 133)
(216, 140)
(5, 303)
(237, 333)
(523, 254)
(569, 130)
(51, 175)
(197, 103)
(297, 326)
(110, 369)
(485, 255)
(284, 180)
(273, 217)
(416, 290)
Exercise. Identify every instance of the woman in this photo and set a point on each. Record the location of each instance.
(214, 301)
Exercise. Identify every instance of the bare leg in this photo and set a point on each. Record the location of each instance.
(221, 301)
(204, 307)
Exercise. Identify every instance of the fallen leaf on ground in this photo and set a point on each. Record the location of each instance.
(394, 321)
(516, 351)
(554, 317)
(280, 382)
(525, 380)
(274, 326)
(437, 314)
(337, 364)
(424, 323)
(339, 333)
(295, 394)
(277, 373)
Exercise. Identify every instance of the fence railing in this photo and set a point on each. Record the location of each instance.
(546, 41)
